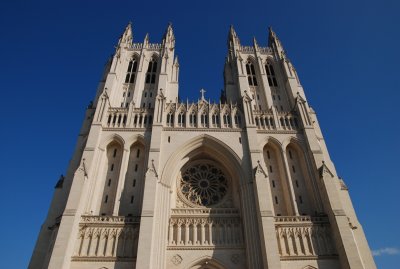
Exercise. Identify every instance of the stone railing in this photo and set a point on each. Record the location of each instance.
(265, 50)
(149, 46)
(287, 121)
(266, 121)
(303, 237)
(247, 49)
(129, 118)
(203, 115)
(154, 46)
(107, 238)
(108, 220)
(137, 45)
(205, 232)
(205, 211)
(250, 49)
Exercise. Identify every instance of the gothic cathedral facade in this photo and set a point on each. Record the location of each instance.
(158, 183)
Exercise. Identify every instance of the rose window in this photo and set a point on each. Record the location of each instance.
(203, 184)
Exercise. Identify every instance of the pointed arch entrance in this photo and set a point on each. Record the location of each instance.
(206, 205)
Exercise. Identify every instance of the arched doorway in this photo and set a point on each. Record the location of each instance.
(206, 205)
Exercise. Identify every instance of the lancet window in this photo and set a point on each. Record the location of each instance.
(271, 75)
(170, 119)
(131, 72)
(192, 119)
(227, 119)
(237, 119)
(251, 74)
(181, 119)
(151, 72)
(215, 119)
(204, 119)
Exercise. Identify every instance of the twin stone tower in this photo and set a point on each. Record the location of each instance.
(243, 183)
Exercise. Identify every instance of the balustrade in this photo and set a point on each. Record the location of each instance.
(208, 231)
(107, 237)
(266, 121)
(203, 115)
(129, 118)
(302, 236)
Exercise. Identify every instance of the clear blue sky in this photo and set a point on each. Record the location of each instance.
(52, 55)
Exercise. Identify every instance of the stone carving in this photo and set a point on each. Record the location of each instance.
(324, 170)
(176, 259)
(203, 184)
(235, 258)
(106, 237)
(195, 231)
(259, 170)
(299, 236)
(152, 170)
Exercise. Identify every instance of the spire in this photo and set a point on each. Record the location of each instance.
(127, 36)
(273, 42)
(255, 44)
(169, 37)
(233, 39)
(176, 62)
(146, 40)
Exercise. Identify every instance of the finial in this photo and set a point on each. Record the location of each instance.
(202, 94)
(255, 42)
(176, 62)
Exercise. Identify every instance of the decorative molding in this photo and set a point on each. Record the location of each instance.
(201, 129)
(258, 170)
(109, 220)
(176, 259)
(69, 212)
(152, 170)
(310, 257)
(277, 131)
(102, 259)
(147, 213)
(324, 170)
(266, 213)
(235, 258)
(343, 185)
(339, 212)
(199, 247)
(204, 211)
(304, 237)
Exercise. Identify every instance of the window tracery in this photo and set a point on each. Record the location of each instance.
(271, 75)
(203, 184)
(131, 72)
(151, 71)
(251, 74)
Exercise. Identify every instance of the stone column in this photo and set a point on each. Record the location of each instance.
(187, 237)
(210, 228)
(203, 233)
(179, 234)
(195, 232)
(171, 233)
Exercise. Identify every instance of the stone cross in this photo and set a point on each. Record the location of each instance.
(202, 94)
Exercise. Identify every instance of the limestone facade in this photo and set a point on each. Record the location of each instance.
(243, 183)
